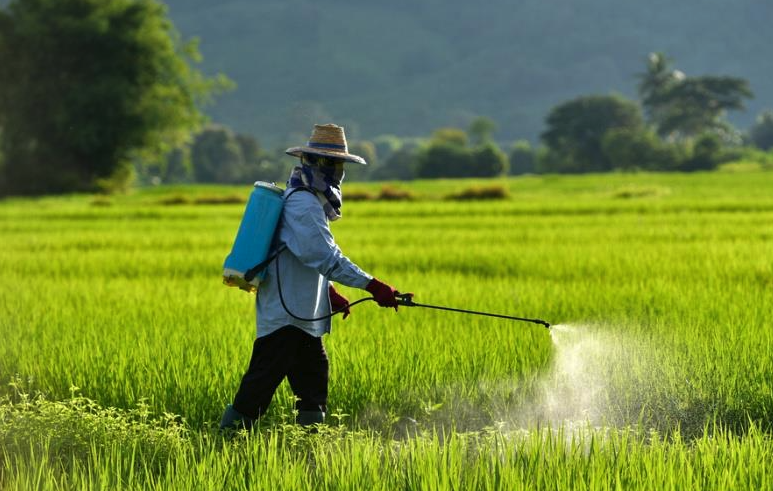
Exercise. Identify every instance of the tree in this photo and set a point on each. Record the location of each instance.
(705, 154)
(448, 155)
(655, 82)
(401, 165)
(178, 167)
(386, 145)
(451, 136)
(575, 130)
(761, 133)
(366, 150)
(481, 130)
(88, 86)
(488, 160)
(680, 106)
(630, 149)
(217, 156)
(444, 159)
(696, 105)
(523, 159)
(250, 148)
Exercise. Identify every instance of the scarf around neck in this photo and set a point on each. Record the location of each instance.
(325, 186)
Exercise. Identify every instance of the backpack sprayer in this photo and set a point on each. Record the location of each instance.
(245, 266)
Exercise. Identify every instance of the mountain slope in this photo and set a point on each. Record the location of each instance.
(408, 67)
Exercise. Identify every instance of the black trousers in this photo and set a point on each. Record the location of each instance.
(287, 352)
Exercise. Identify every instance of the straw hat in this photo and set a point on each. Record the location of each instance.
(327, 140)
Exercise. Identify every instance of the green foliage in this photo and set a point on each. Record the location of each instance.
(575, 130)
(400, 165)
(366, 150)
(639, 149)
(680, 106)
(655, 82)
(250, 148)
(660, 286)
(386, 145)
(444, 159)
(705, 154)
(449, 136)
(745, 158)
(89, 85)
(217, 156)
(523, 159)
(695, 105)
(488, 161)
(761, 134)
(68, 430)
(448, 155)
(178, 167)
(481, 130)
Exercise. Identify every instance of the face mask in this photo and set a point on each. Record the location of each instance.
(330, 168)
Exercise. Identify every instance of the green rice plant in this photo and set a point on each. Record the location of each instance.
(658, 372)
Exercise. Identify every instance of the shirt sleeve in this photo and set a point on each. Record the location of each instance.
(306, 232)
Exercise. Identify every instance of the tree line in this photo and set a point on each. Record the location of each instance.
(96, 94)
(679, 124)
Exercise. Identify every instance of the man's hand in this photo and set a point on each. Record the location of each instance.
(338, 301)
(383, 293)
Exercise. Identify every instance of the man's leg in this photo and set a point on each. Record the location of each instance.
(308, 378)
(272, 356)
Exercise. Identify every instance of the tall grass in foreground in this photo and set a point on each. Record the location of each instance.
(661, 287)
(96, 449)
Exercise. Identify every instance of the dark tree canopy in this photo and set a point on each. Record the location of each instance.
(448, 154)
(576, 128)
(444, 159)
(761, 133)
(683, 106)
(89, 85)
(488, 161)
(658, 78)
(523, 158)
(639, 149)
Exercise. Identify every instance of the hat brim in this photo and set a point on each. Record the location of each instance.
(298, 151)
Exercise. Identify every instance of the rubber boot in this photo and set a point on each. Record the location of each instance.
(308, 418)
(233, 419)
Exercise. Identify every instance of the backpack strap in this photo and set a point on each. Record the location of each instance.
(300, 188)
(251, 273)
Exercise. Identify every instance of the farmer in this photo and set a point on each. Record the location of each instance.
(287, 346)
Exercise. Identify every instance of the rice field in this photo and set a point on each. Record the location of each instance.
(120, 345)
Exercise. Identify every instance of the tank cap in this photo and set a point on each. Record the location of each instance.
(270, 186)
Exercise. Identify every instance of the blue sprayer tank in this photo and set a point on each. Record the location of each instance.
(253, 240)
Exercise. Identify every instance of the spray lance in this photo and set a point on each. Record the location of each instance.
(404, 299)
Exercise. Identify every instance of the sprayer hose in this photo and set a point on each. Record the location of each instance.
(328, 316)
(403, 299)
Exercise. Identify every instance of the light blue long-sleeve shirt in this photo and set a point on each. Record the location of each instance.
(311, 260)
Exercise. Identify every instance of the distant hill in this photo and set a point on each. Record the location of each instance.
(406, 67)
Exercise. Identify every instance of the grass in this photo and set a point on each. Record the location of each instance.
(659, 374)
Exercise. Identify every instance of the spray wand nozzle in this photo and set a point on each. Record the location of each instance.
(406, 299)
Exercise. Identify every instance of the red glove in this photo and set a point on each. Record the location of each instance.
(383, 293)
(338, 301)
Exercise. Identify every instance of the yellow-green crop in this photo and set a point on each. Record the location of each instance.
(120, 346)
